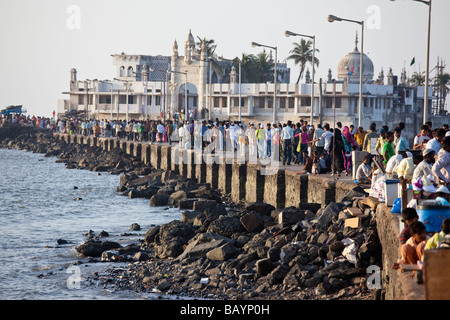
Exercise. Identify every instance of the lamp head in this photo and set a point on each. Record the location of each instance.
(254, 44)
(332, 18)
(289, 33)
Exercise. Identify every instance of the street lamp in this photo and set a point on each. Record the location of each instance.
(127, 86)
(332, 18)
(112, 85)
(254, 44)
(288, 34)
(240, 82)
(185, 87)
(425, 95)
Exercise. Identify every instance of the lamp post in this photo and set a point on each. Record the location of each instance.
(254, 44)
(427, 70)
(127, 86)
(185, 87)
(288, 34)
(332, 18)
(240, 82)
(111, 84)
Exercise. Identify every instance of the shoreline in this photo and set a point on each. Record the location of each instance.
(221, 250)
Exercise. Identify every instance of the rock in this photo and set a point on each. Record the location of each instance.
(260, 207)
(176, 197)
(252, 222)
(355, 193)
(186, 204)
(135, 227)
(273, 254)
(141, 256)
(279, 273)
(291, 215)
(94, 248)
(175, 229)
(226, 226)
(110, 256)
(202, 205)
(263, 267)
(202, 244)
(288, 252)
(313, 207)
(158, 200)
(189, 216)
(222, 253)
(171, 248)
(330, 212)
(151, 234)
(163, 285)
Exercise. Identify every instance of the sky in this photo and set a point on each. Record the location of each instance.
(41, 40)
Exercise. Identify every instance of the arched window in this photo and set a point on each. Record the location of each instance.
(130, 72)
(122, 71)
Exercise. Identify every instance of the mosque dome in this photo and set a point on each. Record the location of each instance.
(190, 41)
(348, 67)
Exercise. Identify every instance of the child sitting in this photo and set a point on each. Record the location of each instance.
(308, 163)
(412, 250)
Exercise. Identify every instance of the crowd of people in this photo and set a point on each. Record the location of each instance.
(20, 119)
(319, 148)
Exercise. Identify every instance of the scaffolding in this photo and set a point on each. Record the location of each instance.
(441, 82)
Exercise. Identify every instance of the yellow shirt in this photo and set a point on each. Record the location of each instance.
(405, 168)
(359, 137)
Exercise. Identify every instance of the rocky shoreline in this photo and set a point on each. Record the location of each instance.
(222, 250)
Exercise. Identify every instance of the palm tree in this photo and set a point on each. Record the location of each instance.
(210, 47)
(418, 78)
(443, 79)
(263, 67)
(247, 66)
(302, 54)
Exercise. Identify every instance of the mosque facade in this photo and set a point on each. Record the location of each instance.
(156, 87)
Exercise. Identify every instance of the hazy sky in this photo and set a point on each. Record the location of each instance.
(41, 40)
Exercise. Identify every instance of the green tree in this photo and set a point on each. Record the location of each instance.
(255, 68)
(210, 47)
(443, 80)
(302, 54)
(418, 78)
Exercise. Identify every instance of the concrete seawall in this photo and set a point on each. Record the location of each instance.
(246, 182)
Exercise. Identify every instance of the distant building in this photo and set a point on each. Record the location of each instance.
(146, 86)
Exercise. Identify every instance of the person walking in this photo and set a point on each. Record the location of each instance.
(287, 138)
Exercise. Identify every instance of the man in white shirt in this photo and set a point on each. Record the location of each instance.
(287, 137)
(423, 169)
(441, 168)
(436, 142)
(317, 134)
(161, 130)
(326, 137)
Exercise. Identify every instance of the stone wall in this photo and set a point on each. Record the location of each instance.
(283, 188)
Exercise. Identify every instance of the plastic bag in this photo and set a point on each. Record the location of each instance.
(397, 206)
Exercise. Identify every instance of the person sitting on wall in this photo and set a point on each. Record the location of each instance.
(364, 172)
(409, 215)
(412, 249)
(436, 240)
(308, 163)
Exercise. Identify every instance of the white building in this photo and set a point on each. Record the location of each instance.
(146, 86)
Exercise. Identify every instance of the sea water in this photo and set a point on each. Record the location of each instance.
(38, 206)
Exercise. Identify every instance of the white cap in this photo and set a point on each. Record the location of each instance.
(443, 189)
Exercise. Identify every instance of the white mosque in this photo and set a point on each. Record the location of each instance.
(150, 87)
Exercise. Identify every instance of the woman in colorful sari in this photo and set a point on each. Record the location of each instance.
(347, 151)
